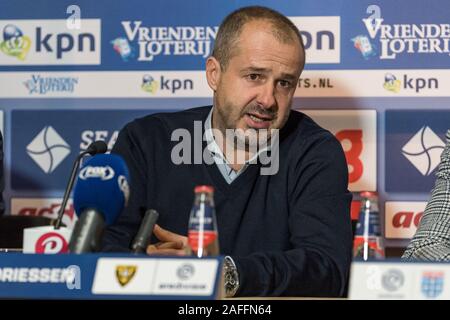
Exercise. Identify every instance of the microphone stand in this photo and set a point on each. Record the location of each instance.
(93, 149)
(73, 175)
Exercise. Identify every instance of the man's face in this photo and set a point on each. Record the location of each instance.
(256, 89)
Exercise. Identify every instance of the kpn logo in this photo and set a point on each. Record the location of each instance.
(149, 84)
(424, 150)
(48, 149)
(166, 84)
(391, 83)
(15, 43)
(408, 83)
(49, 42)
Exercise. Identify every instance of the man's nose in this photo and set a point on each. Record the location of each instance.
(266, 97)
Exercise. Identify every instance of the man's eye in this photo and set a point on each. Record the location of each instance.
(285, 84)
(253, 76)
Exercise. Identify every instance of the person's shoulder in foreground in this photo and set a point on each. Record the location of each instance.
(432, 238)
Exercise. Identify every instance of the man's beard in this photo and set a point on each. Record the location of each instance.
(249, 138)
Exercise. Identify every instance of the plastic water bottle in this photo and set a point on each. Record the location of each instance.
(203, 238)
(368, 242)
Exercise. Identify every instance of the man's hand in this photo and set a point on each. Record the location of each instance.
(170, 243)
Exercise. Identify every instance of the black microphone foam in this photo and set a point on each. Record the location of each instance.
(97, 147)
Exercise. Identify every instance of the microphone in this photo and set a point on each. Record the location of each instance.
(94, 148)
(142, 239)
(100, 194)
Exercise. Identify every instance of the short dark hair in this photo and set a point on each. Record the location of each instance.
(230, 29)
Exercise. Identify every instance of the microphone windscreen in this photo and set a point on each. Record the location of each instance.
(102, 185)
(97, 147)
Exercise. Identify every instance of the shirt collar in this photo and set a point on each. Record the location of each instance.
(214, 148)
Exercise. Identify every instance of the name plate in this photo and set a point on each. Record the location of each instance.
(158, 277)
(399, 280)
(109, 276)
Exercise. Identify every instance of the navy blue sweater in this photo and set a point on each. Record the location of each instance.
(289, 233)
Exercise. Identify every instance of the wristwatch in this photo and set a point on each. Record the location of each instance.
(230, 276)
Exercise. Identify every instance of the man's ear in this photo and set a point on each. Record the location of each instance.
(213, 72)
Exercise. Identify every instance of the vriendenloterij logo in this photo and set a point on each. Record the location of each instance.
(424, 150)
(48, 149)
(38, 84)
(362, 44)
(153, 41)
(123, 48)
(397, 39)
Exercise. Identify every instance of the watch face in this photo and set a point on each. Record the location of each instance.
(231, 281)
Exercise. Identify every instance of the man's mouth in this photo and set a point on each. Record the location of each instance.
(258, 121)
(259, 118)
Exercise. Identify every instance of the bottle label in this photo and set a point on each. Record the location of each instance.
(371, 245)
(373, 221)
(203, 239)
(202, 231)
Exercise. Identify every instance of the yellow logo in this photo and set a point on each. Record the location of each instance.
(15, 43)
(149, 84)
(391, 83)
(124, 274)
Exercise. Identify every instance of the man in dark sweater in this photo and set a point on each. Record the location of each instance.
(286, 233)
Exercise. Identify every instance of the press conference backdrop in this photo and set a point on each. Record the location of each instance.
(71, 72)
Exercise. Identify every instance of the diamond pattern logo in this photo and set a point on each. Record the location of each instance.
(424, 150)
(48, 149)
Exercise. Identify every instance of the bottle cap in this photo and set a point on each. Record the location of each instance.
(368, 194)
(204, 188)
